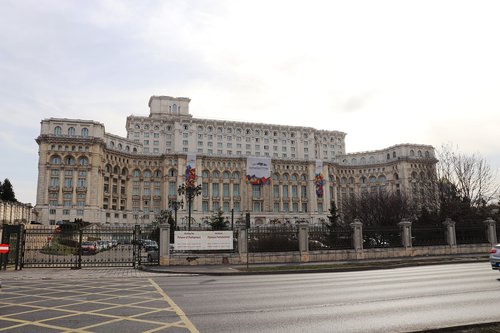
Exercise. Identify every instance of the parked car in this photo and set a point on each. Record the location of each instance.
(89, 248)
(495, 257)
(151, 246)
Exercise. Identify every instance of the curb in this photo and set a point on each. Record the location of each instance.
(213, 271)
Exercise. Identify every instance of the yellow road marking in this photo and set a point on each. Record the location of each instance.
(177, 309)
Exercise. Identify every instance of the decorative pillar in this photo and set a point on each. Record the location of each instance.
(242, 241)
(405, 226)
(164, 244)
(357, 235)
(451, 237)
(303, 240)
(491, 230)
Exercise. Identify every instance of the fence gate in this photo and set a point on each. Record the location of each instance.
(11, 235)
(73, 246)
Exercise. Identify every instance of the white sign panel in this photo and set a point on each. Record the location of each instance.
(203, 240)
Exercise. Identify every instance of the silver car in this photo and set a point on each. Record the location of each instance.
(495, 257)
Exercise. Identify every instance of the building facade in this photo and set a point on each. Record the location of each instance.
(16, 213)
(99, 177)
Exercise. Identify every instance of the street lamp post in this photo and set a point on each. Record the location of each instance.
(190, 192)
(175, 206)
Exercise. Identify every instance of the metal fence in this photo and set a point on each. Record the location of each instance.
(69, 246)
(325, 238)
(273, 239)
(381, 237)
(471, 234)
(428, 236)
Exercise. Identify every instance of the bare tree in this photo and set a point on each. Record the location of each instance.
(471, 175)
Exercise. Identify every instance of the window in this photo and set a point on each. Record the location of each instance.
(71, 131)
(236, 190)
(256, 191)
(57, 131)
(225, 190)
(215, 190)
(85, 132)
(257, 206)
(204, 189)
(276, 191)
(285, 191)
(172, 190)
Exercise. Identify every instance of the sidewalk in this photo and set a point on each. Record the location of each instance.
(316, 267)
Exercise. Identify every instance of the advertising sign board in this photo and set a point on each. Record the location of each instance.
(203, 240)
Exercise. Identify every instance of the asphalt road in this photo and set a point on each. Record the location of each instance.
(397, 300)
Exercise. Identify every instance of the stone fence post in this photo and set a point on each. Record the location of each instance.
(357, 234)
(303, 241)
(242, 241)
(164, 244)
(491, 230)
(405, 226)
(451, 237)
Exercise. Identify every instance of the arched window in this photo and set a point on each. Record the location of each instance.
(303, 177)
(116, 170)
(85, 132)
(71, 131)
(225, 175)
(396, 176)
(427, 153)
(69, 160)
(381, 179)
(419, 153)
(294, 177)
(351, 180)
(275, 177)
(373, 179)
(56, 160)
(285, 177)
(157, 174)
(394, 154)
(172, 173)
(215, 174)
(124, 172)
(204, 174)
(108, 168)
(412, 153)
(388, 156)
(174, 108)
(57, 131)
(83, 161)
(236, 175)
(147, 174)
(136, 173)
(127, 148)
(362, 180)
(120, 147)
(111, 144)
(134, 150)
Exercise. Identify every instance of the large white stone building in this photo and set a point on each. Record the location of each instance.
(87, 173)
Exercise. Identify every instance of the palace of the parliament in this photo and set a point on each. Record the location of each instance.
(86, 173)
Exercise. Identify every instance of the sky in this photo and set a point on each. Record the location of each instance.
(384, 72)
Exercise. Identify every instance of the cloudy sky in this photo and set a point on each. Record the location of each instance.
(384, 72)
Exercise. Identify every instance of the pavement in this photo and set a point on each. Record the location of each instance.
(316, 267)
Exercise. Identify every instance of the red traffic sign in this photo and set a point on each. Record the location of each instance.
(4, 248)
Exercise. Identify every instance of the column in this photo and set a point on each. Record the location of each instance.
(405, 225)
(304, 241)
(451, 237)
(357, 234)
(491, 230)
(164, 244)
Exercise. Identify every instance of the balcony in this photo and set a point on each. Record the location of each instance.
(53, 188)
(81, 189)
(67, 189)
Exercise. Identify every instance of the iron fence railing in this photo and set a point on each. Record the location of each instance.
(330, 238)
(428, 236)
(381, 237)
(273, 239)
(471, 234)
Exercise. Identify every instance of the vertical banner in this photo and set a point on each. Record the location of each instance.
(319, 178)
(258, 171)
(190, 176)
